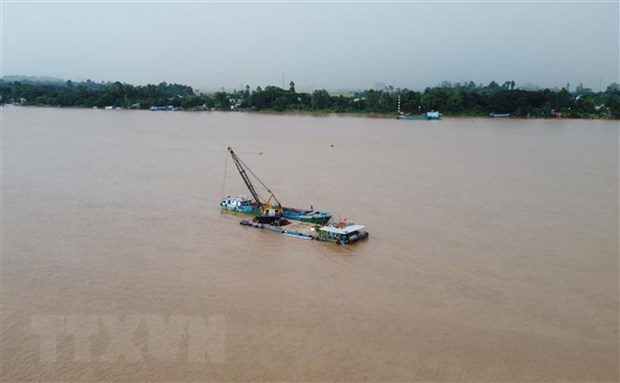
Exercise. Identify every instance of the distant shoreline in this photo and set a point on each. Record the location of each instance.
(382, 116)
(454, 100)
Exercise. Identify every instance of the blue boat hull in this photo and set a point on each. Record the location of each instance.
(245, 206)
(310, 216)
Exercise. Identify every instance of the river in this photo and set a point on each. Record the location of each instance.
(493, 251)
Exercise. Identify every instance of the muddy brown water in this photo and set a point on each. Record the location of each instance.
(493, 253)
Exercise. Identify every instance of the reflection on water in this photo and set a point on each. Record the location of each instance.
(493, 253)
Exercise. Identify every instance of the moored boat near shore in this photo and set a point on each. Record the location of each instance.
(424, 116)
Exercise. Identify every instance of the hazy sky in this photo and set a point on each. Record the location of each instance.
(342, 45)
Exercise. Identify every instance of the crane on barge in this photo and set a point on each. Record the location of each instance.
(269, 212)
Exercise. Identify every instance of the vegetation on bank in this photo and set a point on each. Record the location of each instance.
(458, 99)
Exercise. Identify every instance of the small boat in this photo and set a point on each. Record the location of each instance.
(432, 115)
(499, 115)
(310, 216)
(424, 116)
(240, 204)
(411, 117)
(168, 108)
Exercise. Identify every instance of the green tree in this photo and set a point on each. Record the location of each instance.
(222, 102)
(320, 99)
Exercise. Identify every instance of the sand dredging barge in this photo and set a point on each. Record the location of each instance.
(298, 223)
(343, 233)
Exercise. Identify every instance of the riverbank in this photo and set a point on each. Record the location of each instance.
(468, 100)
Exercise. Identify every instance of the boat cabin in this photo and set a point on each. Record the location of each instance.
(343, 235)
(237, 202)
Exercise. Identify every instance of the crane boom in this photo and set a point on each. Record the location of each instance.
(265, 207)
(244, 176)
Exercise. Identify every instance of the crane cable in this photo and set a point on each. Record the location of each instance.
(259, 180)
(225, 173)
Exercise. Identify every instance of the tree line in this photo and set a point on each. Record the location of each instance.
(459, 99)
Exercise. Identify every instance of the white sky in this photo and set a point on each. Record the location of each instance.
(344, 45)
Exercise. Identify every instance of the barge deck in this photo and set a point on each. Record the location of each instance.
(342, 234)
